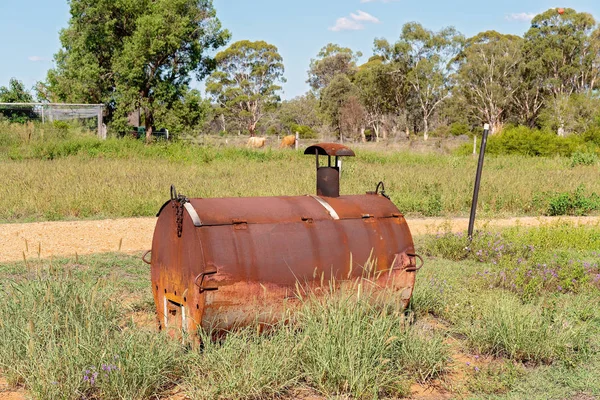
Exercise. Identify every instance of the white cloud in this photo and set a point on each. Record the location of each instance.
(346, 24)
(354, 22)
(37, 58)
(520, 17)
(363, 16)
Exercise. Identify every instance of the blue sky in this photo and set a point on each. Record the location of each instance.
(29, 28)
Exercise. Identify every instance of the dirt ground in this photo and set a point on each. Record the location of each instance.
(133, 235)
(8, 393)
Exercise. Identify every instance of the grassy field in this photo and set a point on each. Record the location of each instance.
(75, 176)
(516, 317)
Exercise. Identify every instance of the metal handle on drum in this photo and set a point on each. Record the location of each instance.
(201, 277)
(416, 268)
(380, 184)
(149, 262)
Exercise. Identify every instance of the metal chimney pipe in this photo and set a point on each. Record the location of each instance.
(328, 177)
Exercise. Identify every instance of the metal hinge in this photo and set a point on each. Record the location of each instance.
(240, 224)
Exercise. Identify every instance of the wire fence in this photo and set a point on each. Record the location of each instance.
(50, 112)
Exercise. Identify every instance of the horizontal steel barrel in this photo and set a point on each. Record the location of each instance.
(221, 263)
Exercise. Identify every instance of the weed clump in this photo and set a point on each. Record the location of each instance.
(503, 326)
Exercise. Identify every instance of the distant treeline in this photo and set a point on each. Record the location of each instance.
(134, 55)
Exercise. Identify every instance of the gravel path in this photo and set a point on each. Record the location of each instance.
(133, 235)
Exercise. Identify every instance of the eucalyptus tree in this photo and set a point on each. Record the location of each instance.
(424, 58)
(564, 50)
(561, 51)
(331, 61)
(487, 77)
(375, 83)
(333, 100)
(246, 81)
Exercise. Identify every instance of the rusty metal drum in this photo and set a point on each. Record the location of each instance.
(218, 263)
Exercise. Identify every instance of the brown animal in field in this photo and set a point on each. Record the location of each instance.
(288, 141)
(256, 142)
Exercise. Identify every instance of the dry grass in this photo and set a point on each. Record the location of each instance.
(122, 178)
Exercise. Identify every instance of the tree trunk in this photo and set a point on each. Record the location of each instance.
(425, 129)
(376, 130)
(223, 125)
(496, 127)
(149, 122)
(363, 138)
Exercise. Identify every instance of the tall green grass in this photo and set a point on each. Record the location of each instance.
(64, 338)
(82, 177)
(67, 332)
(502, 326)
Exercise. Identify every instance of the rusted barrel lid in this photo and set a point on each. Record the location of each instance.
(285, 209)
(330, 149)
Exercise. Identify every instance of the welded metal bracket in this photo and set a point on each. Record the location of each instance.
(327, 206)
(193, 214)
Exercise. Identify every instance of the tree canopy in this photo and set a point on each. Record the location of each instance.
(331, 61)
(16, 92)
(132, 54)
(246, 82)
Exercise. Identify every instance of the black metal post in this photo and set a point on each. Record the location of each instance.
(486, 130)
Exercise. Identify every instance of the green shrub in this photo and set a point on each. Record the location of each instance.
(579, 158)
(576, 203)
(442, 131)
(305, 132)
(459, 128)
(533, 142)
(592, 135)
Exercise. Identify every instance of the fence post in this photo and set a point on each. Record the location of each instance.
(101, 133)
(486, 130)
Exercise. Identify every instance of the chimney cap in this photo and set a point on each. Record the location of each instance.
(330, 149)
